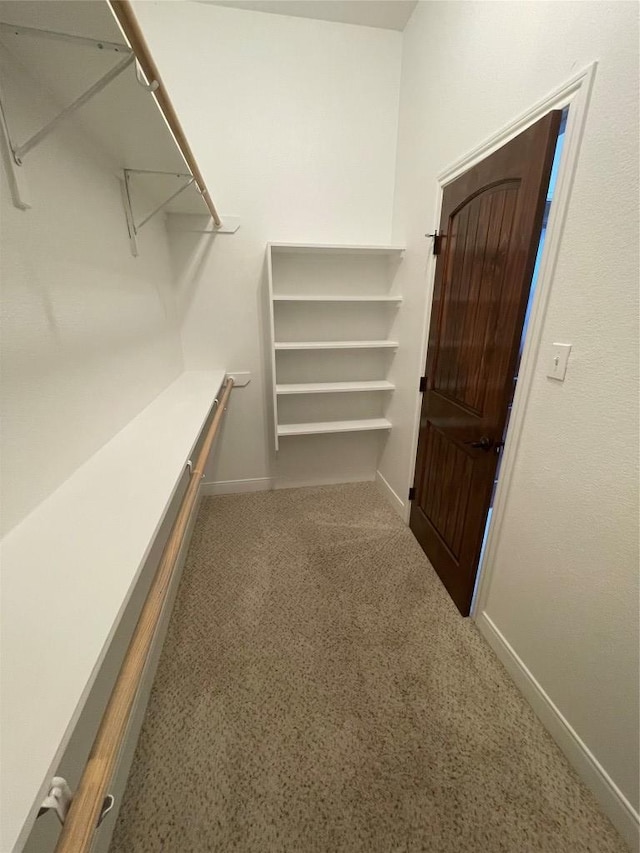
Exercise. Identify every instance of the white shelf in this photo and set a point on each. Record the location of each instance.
(335, 298)
(334, 387)
(68, 570)
(334, 426)
(302, 345)
(337, 248)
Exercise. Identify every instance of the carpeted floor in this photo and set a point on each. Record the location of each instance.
(319, 693)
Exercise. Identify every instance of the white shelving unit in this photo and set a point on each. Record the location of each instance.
(331, 311)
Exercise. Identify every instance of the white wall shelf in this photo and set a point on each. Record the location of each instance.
(333, 387)
(335, 248)
(278, 297)
(300, 345)
(329, 304)
(365, 424)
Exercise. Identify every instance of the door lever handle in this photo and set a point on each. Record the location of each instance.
(485, 443)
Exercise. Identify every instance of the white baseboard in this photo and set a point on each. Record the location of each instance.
(319, 481)
(615, 805)
(266, 484)
(233, 487)
(392, 497)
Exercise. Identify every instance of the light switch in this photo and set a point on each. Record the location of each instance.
(558, 361)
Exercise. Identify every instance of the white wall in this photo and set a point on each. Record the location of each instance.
(564, 590)
(294, 125)
(89, 334)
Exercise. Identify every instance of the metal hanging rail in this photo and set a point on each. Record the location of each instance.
(87, 804)
(125, 16)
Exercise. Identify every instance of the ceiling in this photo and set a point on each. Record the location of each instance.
(385, 14)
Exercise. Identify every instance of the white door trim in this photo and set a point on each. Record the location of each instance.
(575, 92)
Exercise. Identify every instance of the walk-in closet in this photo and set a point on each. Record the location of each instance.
(319, 450)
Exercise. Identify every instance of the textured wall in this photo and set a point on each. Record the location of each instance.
(564, 582)
(294, 124)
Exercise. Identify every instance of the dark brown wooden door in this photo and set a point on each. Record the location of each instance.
(490, 226)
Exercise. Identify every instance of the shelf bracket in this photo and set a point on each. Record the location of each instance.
(134, 227)
(109, 46)
(21, 150)
(17, 178)
(16, 152)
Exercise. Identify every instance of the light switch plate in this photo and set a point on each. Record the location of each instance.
(557, 367)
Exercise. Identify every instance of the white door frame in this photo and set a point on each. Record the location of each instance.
(575, 93)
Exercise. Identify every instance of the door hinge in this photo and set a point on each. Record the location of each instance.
(422, 387)
(437, 242)
(412, 493)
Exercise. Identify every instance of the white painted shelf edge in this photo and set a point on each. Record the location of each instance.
(334, 298)
(334, 387)
(69, 569)
(334, 426)
(299, 345)
(337, 248)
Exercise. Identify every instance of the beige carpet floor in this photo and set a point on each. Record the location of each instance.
(319, 693)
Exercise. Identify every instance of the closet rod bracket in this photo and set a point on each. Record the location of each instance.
(60, 797)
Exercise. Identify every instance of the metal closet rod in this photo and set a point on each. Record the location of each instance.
(125, 16)
(81, 821)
